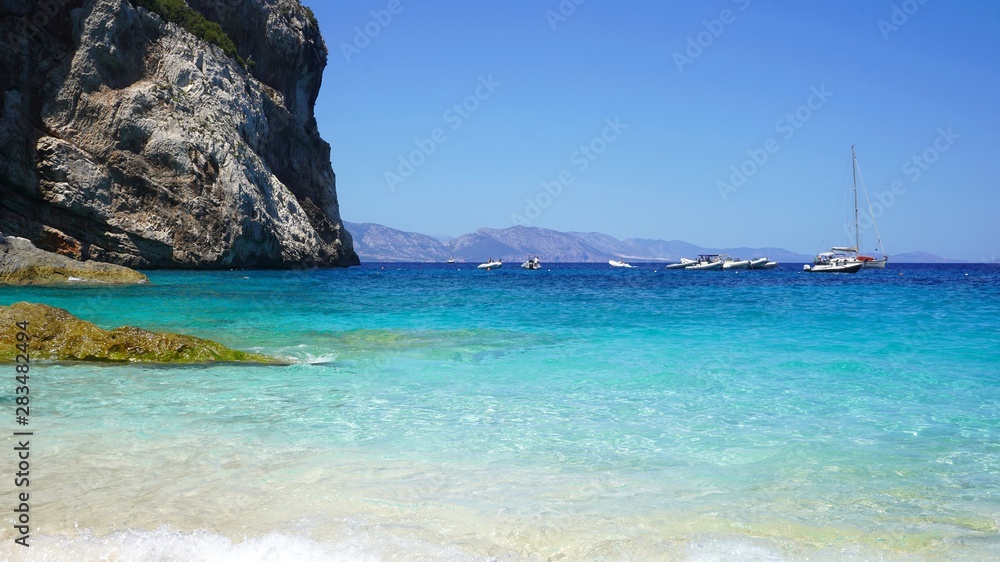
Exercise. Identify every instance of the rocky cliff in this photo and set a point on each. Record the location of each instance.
(133, 140)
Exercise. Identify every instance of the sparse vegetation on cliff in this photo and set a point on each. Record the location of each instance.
(311, 16)
(178, 12)
(288, 11)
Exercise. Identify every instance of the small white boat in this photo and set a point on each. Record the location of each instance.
(532, 263)
(730, 263)
(681, 264)
(768, 265)
(758, 263)
(873, 263)
(619, 263)
(451, 260)
(707, 262)
(490, 265)
(707, 266)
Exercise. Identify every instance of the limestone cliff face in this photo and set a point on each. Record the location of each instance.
(127, 139)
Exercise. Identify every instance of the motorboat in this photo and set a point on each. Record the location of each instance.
(619, 263)
(532, 263)
(707, 266)
(850, 267)
(834, 262)
(873, 263)
(451, 260)
(681, 264)
(490, 265)
(730, 263)
(707, 262)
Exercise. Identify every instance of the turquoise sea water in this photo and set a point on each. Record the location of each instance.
(574, 413)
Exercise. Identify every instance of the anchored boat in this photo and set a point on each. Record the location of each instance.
(707, 262)
(490, 265)
(681, 264)
(532, 263)
(848, 259)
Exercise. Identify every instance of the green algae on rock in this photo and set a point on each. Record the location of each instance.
(58, 335)
(21, 263)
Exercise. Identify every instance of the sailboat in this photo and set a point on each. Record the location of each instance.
(868, 261)
(848, 259)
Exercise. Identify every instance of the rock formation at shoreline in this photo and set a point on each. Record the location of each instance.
(58, 335)
(134, 141)
(21, 263)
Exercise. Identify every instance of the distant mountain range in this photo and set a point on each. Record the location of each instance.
(378, 243)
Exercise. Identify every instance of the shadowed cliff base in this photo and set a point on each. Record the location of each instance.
(57, 335)
(132, 141)
(23, 264)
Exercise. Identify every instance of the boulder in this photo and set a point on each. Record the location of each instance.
(21, 263)
(55, 334)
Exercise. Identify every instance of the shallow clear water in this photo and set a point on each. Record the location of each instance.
(577, 412)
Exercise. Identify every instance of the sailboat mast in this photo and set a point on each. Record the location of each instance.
(871, 213)
(854, 175)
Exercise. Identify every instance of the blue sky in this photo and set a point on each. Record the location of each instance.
(724, 123)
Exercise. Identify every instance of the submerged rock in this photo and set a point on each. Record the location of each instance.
(21, 263)
(132, 140)
(55, 334)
